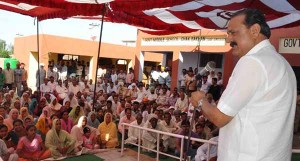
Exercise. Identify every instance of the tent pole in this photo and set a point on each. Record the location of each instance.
(38, 51)
(99, 47)
(194, 111)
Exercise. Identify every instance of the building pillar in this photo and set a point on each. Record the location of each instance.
(139, 66)
(164, 60)
(176, 62)
(93, 67)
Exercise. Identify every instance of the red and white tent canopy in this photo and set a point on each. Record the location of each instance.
(160, 16)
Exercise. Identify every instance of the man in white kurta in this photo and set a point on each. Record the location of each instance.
(256, 111)
(133, 133)
(150, 138)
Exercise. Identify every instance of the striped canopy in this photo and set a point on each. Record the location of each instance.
(160, 16)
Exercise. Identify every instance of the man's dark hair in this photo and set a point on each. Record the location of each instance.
(200, 124)
(215, 79)
(185, 122)
(18, 120)
(253, 16)
(3, 126)
(127, 109)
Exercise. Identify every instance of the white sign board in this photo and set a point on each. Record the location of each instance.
(289, 45)
(183, 41)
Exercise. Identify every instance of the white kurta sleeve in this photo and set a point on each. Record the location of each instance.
(243, 84)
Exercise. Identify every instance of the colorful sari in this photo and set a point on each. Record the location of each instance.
(32, 148)
(61, 138)
(108, 133)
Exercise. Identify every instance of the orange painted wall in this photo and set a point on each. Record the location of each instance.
(56, 44)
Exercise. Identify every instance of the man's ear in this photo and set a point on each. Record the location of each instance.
(255, 30)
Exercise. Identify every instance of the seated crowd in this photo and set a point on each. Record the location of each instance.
(66, 116)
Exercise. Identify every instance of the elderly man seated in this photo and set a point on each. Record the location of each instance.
(133, 133)
(150, 138)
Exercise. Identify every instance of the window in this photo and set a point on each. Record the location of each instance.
(122, 62)
(69, 57)
(206, 57)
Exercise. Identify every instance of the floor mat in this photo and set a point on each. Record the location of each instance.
(86, 157)
(296, 157)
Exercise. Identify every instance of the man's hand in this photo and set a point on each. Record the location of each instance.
(196, 96)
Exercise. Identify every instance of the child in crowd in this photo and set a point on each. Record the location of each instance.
(89, 141)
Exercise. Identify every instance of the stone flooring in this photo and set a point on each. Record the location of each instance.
(129, 155)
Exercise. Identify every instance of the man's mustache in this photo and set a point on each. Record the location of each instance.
(232, 44)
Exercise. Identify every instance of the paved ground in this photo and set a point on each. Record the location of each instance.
(129, 155)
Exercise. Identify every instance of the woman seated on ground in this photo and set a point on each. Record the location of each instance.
(31, 146)
(77, 131)
(59, 141)
(28, 120)
(16, 105)
(89, 140)
(24, 113)
(34, 102)
(17, 132)
(13, 115)
(76, 113)
(92, 120)
(25, 99)
(108, 132)
(42, 127)
(66, 122)
(66, 106)
(54, 106)
(39, 107)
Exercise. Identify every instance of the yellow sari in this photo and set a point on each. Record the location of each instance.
(108, 132)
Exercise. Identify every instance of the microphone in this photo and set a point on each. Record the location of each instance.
(210, 66)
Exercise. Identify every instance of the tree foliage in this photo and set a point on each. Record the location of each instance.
(5, 50)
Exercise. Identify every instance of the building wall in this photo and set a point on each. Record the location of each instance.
(180, 51)
(183, 55)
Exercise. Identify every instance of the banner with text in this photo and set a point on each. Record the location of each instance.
(183, 41)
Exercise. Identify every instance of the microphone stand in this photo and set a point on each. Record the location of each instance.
(189, 136)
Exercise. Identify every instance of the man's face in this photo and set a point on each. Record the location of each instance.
(128, 113)
(199, 129)
(240, 34)
(185, 128)
(153, 122)
(167, 118)
(3, 132)
(139, 119)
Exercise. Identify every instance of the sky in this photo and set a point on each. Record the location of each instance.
(14, 25)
